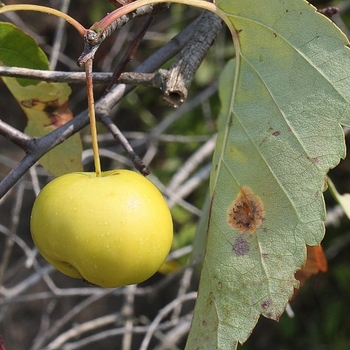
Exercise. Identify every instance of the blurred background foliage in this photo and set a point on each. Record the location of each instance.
(321, 308)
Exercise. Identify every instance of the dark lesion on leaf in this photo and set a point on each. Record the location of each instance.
(246, 213)
(58, 113)
(210, 299)
(314, 160)
(30, 103)
(240, 247)
(266, 303)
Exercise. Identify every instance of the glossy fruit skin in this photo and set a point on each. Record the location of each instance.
(111, 230)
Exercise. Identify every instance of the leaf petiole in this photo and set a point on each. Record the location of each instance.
(103, 25)
(44, 9)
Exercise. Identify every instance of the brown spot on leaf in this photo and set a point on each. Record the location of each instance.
(276, 133)
(246, 213)
(30, 103)
(58, 114)
(266, 303)
(210, 299)
(273, 316)
(240, 247)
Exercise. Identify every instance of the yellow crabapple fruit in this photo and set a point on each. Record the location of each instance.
(111, 230)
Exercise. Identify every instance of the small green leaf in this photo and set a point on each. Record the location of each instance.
(45, 104)
(18, 49)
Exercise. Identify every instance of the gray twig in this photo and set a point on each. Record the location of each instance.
(95, 36)
(137, 161)
(56, 47)
(182, 71)
(18, 138)
(162, 313)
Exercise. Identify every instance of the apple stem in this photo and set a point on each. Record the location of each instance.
(91, 108)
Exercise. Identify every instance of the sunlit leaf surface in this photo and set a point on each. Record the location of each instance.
(279, 133)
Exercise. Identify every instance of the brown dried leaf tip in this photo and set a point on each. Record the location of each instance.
(246, 213)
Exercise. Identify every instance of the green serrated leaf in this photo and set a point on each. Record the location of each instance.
(278, 136)
(45, 104)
